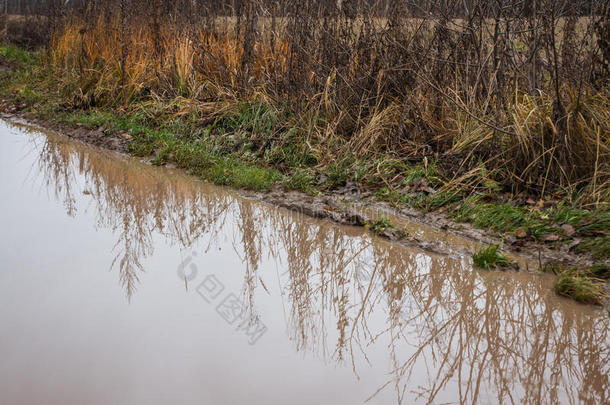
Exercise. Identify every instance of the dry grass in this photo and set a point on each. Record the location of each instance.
(512, 100)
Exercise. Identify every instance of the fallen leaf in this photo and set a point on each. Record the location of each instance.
(568, 229)
(553, 237)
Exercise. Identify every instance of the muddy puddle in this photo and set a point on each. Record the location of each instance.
(128, 284)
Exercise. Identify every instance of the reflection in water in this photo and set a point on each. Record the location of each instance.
(440, 331)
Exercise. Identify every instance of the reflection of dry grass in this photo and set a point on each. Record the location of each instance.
(133, 202)
(481, 337)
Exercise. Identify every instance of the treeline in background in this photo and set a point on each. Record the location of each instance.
(501, 94)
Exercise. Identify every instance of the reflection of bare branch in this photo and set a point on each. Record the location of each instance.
(55, 165)
(134, 203)
(476, 336)
(446, 329)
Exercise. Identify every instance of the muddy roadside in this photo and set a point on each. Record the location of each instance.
(347, 206)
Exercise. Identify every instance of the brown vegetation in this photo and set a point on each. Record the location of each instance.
(502, 95)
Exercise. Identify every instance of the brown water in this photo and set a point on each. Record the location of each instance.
(127, 284)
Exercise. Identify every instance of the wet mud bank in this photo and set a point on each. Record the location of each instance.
(351, 208)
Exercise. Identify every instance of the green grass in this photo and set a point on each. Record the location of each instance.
(232, 172)
(505, 217)
(502, 217)
(600, 270)
(539, 223)
(586, 285)
(302, 180)
(599, 247)
(579, 286)
(438, 200)
(18, 55)
(338, 172)
(91, 119)
(420, 172)
(384, 227)
(256, 118)
(380, 225)
(489, 258)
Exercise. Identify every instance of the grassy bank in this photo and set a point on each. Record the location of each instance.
(255, 143)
